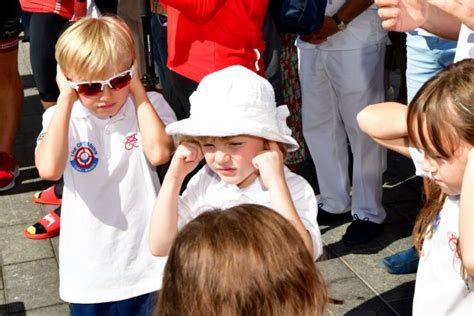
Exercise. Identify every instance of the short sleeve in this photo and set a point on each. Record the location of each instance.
(47, 116)
(190, 203)
(307, 208)
(162, 107)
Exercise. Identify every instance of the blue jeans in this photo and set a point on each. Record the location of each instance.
(426, 56)
(160, 49)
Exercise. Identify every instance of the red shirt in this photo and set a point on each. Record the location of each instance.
(64, 8)
(207, 35)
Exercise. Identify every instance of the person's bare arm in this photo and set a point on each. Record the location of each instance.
(164, 218)
(52, 153)
(386, 123)
(347, 12)
(270, 166)
(407, 15)
(466, 216)
(462, 9)
(157, 145)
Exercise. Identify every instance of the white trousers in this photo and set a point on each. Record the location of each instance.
(335, 86)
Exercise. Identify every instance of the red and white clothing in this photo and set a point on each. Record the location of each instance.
(206, 191)
(64, 8)
(208, 35)
(109, 192)
(441, 288)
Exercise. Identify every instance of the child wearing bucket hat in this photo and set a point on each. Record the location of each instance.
(237, 128)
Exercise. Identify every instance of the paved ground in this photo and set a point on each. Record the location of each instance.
(29, 269)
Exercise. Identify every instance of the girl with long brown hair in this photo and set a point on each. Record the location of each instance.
(437, 131)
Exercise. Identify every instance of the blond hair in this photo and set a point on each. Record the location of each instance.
(94, 47)
(440, 118)
(247, 260)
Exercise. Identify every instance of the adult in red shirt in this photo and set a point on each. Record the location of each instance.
(207, 35)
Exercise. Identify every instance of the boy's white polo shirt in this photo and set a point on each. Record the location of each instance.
(206, 191)
(109, 192)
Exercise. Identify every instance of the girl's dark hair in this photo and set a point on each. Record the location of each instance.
(247, 260)
(441, 118)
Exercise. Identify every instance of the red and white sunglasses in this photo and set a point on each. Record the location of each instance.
(91, 88)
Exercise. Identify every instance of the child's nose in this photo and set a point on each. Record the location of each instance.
(107, 92)
(221, 156)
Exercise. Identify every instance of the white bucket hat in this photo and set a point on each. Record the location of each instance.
(235, 101)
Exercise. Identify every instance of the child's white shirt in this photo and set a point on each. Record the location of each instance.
(206, 191)
(441, 288)
(109, 192)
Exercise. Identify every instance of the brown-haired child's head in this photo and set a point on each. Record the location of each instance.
(241, 261)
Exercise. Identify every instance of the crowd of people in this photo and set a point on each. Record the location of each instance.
(229, 227)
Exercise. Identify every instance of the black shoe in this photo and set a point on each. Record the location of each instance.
(325, 217)
(361, 231)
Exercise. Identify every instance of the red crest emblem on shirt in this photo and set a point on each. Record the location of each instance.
(131, 141)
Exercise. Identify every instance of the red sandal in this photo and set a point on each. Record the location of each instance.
(50, 222)
(47, 196)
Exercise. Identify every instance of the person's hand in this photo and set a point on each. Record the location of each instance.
(65, 90)
(402, 15)
(462, 9)
(327, 29)
(270, 165)
(185, 159)
(136, 86)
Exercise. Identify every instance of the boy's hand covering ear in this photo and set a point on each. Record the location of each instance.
(185, 159)
(136, 85)
(64, 89)
(270, 165)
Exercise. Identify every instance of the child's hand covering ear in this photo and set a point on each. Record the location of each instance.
(270, 165)
(185, 159)
(64, 89)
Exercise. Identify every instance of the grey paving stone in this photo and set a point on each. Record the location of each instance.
(34, 283)
(17, 209)
(345, 285)
(16, 248)
(369, 269)
(57, 310)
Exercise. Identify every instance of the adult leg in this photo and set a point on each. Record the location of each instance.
(323, 130)
(45, 29)
(180, 90)
(11, 92)
(11, 96)
(361, 84)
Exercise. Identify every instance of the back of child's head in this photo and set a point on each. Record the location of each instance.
(440, 119)
(235, 101)
(95, 47)
(247, 260)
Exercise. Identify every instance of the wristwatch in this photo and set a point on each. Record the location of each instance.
(340, 25)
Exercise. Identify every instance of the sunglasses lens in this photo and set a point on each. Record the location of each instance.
(120, 82)
(89, 88)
